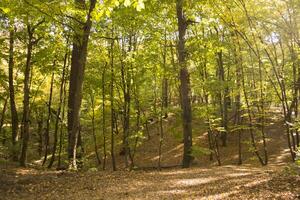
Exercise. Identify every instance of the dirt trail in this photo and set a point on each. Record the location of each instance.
(203, 181)
(227, 182)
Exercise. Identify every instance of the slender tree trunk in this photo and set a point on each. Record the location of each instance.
(184, 87)
(58, 113)
(126, 82)
(26, 103)
(61, 134)
(262, 108)
(165, 81)
(13, 108)
(238, 63)
(161, 134)
(222, 98)
(103, 119)
(48, 118)
(93, 130)
(138, 118)
(113, 118)
(251, 128)
(282, 95)
(40, 123)
(217, 149)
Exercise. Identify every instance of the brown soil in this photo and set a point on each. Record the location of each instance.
(204, 180)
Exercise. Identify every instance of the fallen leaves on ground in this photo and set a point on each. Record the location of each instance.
(226, 182)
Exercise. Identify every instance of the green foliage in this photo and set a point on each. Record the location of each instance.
(230, 54)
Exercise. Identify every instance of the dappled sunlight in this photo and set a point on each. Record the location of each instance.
(236, 175)
(172, 191)
(256, 182)
(220, 195)
(149, 99)
(192, 171)
(178, 155)
(155, 158)
(180, 146)
(193, 181)
(22, 171)
(165, 155)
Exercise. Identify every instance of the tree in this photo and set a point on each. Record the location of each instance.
(13, 109)
(78, 62)
(31, 42)
(185, 85)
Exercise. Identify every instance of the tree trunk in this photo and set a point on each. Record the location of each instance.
(94, 130)
(78, 62)
(238, 65)
(113, 118)
(58, 112)
(13, 108)
(126, 84)
(184, 87)
(48, 118)
(222, 98)
(165, 81)
(26, 106)
(103, 119)
(61, 134)
(40, 123)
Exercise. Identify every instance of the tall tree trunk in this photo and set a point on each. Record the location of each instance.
(126, 84)
(222, 98)
(48, 118)
(184, 87)
(113, 118)
(78, 62)
(103, 119)
(26, 106)
(26, 90)
(238, 73)
(161, 130)
(13, 108)
(94, 130)
(62, 125)
(251, 127)
(165, 81)
(262, 108)
(58, 112)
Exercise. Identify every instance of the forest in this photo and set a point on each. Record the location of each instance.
(149, 99)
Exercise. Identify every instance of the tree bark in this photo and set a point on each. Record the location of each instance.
(58, 113)
(13, 108)
(113, 118)
(61, 134)
(26, 106)
(184, 87)
(48, 118)
(103, 118)
(78, 62)
(94, 130)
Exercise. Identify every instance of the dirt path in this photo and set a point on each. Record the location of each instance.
(227, 182)
(203, 181)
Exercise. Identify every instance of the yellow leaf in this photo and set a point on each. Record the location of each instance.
(140, 5)
(127, 3)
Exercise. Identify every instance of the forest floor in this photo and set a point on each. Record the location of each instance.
(226, 182)
(204, 180)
